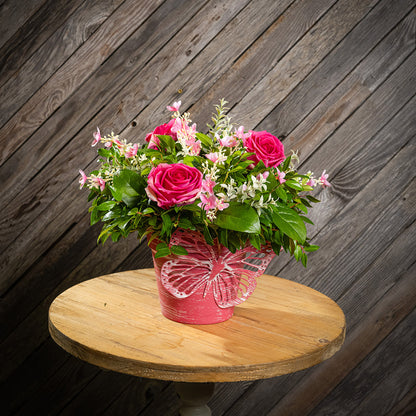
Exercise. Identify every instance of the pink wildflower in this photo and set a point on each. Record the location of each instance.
(221, 205)
(228, 141)
(323, 180)
(178, 125)
(311, 182)
(240, 133)
(175, 106)
(281, 176)
(208, 185)
(208, 202)
(98, 183)
(97, 137)
(213, 157)
(263, 175)
(108, 144)
(194, 145)
(132, 151)
(82, 179)
(118, 143)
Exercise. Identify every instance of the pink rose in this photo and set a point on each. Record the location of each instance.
(265, 147)
(175, 184)
(163, 130)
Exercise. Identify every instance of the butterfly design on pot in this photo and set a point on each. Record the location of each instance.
(232, 276)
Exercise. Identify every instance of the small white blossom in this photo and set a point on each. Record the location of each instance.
(142, 158)
(211, 215)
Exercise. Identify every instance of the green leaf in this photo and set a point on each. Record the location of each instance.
(162, 252)
(133, 211)
(302, 208)
(276, 247)
(185, 224)
(128, 186)
(207, 236)
(92, 194)
(122, 223)
(115, 237)
(148, 210)
(104, 153)
(255, 241)
(205, 140)
(312, 198)
(306, 219)
(281, 193)
(286, 163)
(289, 222)
(304, 259)
(166, 142)
(271, 182)
(114, 213)
(223, 237)
(166, 224)
(179, 250)
(294, 185)
(239, 217)
(106, 206)
(95, 216)
(297, 253)
(311, 248)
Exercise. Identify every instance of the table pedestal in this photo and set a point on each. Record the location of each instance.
(194, 397)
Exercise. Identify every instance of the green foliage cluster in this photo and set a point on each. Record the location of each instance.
(274, 215)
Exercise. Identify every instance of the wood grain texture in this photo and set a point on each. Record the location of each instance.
(53, 53)
(114, 321)
(333, 78)
(14, 14)
(31, 35)
(69, 76)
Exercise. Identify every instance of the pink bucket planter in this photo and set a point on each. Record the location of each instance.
(204, 286)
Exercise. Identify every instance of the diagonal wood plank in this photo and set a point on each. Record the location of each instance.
(286, 30)
(37, 370)
(53, 135)
(398, 376)
(78, 110)
(55, 51)
(13, 14)
(32, 35)
(292, 117)
(300, 61)
(76, 70)
(405, 406)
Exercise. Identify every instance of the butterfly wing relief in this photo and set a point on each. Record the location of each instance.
(230, 276)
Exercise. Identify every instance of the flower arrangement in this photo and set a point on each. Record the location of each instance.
(232, 186)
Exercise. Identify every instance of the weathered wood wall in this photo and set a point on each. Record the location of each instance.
(336, 78)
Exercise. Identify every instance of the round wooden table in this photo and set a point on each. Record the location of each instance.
(114, 322)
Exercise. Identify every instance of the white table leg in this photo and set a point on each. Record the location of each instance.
(195, 397)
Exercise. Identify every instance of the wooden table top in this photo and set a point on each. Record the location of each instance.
(114, 322)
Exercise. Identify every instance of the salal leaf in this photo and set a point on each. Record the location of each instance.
(289, 222)
(294, 185)
(106, 206)
(128, 186)
(239, 217)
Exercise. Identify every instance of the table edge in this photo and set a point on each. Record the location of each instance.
(196, 373)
